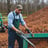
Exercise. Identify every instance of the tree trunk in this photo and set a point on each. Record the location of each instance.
(8, 5)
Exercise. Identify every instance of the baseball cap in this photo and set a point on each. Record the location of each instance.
(19, 6)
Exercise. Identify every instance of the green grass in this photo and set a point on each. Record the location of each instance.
(24, 16)
(5, 18)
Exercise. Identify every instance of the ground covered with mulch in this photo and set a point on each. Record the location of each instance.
(37, 23)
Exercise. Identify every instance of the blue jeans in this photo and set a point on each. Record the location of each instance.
(12, 36)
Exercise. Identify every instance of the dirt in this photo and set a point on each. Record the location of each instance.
(3, 40)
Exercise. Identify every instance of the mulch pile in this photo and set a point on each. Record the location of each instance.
(38, 21)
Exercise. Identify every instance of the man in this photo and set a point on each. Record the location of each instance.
(14, 18)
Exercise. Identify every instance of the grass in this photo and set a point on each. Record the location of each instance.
(24, 16)
(5, 18)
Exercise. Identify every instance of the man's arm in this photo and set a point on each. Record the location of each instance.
(26, 26)
(23, 22)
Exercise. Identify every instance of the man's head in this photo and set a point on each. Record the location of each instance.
(18, 9)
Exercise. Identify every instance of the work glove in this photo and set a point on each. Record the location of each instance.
(29, 32)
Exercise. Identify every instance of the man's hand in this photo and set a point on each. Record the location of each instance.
(20, 32)
(28, 30)
(17, 31)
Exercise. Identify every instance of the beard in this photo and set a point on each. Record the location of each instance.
(17, 13)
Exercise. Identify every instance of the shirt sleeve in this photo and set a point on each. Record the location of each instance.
(10, 20)
(21, 20)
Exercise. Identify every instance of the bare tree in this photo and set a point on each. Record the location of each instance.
(42, 4)
(27, 7)
(1, 5)
(8, 5)
(19, 1)
(35, 4)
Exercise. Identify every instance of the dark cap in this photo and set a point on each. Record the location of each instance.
(19, 6)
